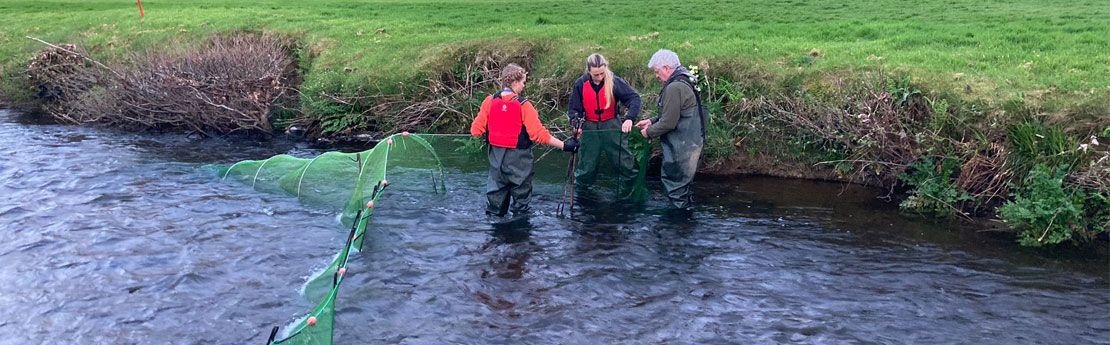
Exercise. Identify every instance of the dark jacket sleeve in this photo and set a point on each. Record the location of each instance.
(575, 107)
(628, 97)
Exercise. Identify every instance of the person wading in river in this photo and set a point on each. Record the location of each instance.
(511, 125)
(680, 125)
(595, 99)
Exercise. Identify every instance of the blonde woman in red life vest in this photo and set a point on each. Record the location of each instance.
(598, 99)
(511, 125)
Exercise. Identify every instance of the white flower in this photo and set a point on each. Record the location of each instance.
(1094, 140)
(1083, 147)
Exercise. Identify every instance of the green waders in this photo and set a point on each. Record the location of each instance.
(510, 177)
(605, 138)
(681, 151)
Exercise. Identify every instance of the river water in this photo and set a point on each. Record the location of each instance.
(119, 238)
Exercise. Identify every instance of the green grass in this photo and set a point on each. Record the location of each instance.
(1067, 45)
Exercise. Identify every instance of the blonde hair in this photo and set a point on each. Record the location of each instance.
(595, 60)
(511, 74)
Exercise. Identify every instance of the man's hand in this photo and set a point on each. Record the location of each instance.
(626, 126)
(643, 124)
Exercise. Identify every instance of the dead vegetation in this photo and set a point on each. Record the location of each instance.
(1095, 175)
(985, 175)
(229, 84)
(444, 98)
(877, 130)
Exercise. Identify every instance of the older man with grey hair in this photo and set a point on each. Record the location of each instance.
(680, 126)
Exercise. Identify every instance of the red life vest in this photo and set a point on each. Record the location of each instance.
(506, 123)
(595, 101)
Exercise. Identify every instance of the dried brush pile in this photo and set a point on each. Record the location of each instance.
(879, 129)
(443, 97)
(228, 84)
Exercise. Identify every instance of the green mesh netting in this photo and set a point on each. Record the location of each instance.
(641, 148)
(354, 182)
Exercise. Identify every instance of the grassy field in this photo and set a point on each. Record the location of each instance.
(999, 47)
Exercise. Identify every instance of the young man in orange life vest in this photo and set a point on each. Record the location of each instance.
(512, 125)
(594, 99)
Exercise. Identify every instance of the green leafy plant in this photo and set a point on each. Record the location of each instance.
(340, 122)
(934, 191)
(1097, 208)
(471, 145)
(903, 90)
(942, 118)
(1043, 209)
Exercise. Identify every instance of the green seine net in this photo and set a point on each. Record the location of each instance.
(353, 183)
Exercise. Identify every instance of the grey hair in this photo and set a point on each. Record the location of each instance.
(664, 57)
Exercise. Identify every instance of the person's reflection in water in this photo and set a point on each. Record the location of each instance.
(593, 207)
(676, 231)
(511, 238)
(681, 219)
(601, 223)
(503, 286)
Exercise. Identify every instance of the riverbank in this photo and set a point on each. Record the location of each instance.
(963, 108)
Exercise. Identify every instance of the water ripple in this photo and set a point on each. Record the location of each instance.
(125, 239)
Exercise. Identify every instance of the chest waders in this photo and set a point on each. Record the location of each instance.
(682, 149)
(605, 138)
(510, 159)
(602, 135)
(510, 179)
